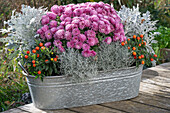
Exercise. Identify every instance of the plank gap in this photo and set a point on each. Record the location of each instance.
(155, 84)
(23, 110)
(112, 108)
(72, 110)
(149, 105)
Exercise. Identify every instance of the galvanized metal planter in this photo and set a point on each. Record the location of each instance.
(57, 92)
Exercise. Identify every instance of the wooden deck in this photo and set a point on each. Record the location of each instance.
(154, 97)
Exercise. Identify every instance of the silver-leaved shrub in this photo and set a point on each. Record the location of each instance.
(113, 56)
(136, 23)
(73, 64)
(22, 27)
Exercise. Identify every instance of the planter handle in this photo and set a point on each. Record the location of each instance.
(22, 67)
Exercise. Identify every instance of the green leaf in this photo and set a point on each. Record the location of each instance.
(50, 71)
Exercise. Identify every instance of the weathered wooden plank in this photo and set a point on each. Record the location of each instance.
(155, 90)
(155, 97)
(152, 100)
(134, 107)
(165, 65)
(154, 87)
(95, 109)
(150, 72)
(15, 110)
(158, 80)
(158, 71)
(31, 108)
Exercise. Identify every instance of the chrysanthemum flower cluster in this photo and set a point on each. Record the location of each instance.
(82, 26)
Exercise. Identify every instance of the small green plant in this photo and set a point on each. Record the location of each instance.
(137, 46)
(41, 61)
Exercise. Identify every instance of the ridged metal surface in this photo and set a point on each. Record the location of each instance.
(57, 92)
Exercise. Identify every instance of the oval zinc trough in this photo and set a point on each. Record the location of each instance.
(57, 92)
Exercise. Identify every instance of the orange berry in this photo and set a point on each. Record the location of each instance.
(37, 48)
(28, 52)
(26, 56)
(39, 72)
(139, 57)
(139, 45)
(128, 39)
(42, 47)
(155, 55)
(38, 55)
(134, 36)
(142, 56)
(41, 44)
(143, 62)
(34, 51)
(135, 57)
(34, 65)
(128, 47)
(33, 61)
(134, 53)
(46, 60)
(151, 59)
(56, 56)
(138, 38)
(141, 36)
(122, 43)
(134, 48)
(55, 59)
(144, 43)
(125, 42)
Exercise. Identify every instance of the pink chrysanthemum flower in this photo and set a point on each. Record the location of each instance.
(53, 23)
(47, 44)
(55, 9)
(76, 32)
(91, 41)
(39, 31)
(108, 40)
(86, 53)
(78, 45)
(82, 37)
(48, 35)
(92, 53)
(53, 30)
(45, 21)
(57, 43)
(60, 34)
(86, 46)
(45, 28)
(51, 15)
(91, 33)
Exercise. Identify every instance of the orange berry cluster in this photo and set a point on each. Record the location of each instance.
(136, 46)
(34, 51)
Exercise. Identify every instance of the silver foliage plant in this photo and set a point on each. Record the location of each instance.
(113, 56)
(109, 57)
(73, 64)
(136, 23)
(22, 27)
